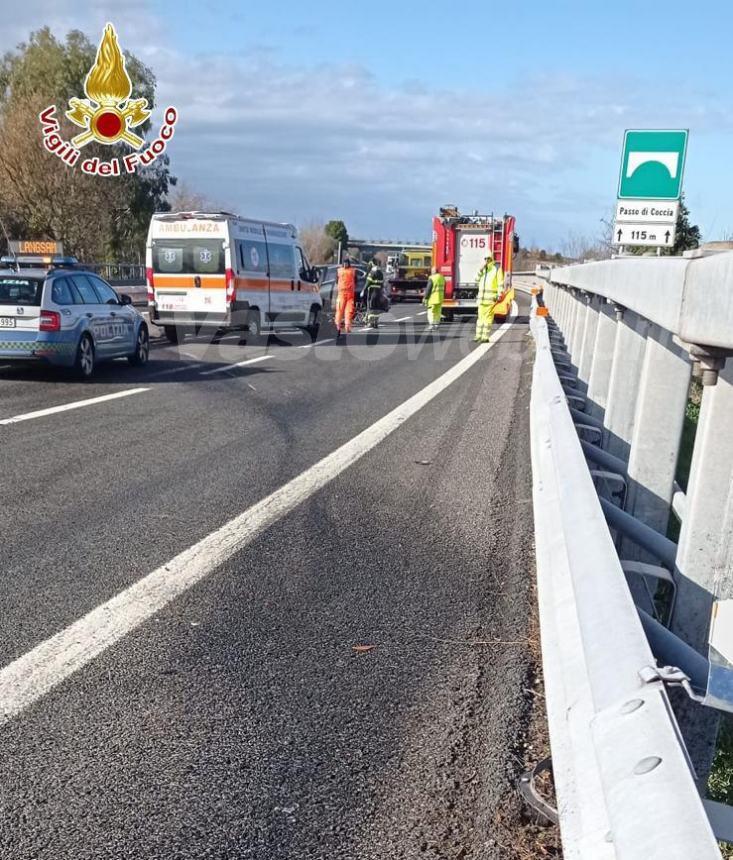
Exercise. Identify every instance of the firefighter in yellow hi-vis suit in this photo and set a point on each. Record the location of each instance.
(490, 281)
(434, 297)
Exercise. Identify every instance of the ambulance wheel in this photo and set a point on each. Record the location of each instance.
(172, 333)
(254, 326)
(448, 316)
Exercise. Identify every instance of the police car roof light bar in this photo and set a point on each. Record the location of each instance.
(38, 261)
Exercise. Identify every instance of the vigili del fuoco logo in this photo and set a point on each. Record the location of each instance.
(108, 115)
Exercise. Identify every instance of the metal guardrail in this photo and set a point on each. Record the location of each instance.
(626, 789)
(119, 274)
(633, 331)
(692, 298)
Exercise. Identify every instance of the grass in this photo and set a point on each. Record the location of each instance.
(689, 429)
(687, 443)
(720, 784)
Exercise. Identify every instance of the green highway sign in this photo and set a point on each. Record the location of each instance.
(652, 165)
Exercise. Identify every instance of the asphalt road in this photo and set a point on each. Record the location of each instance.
(239, 721)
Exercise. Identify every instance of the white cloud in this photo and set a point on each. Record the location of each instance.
(134, 21)
(294, 142)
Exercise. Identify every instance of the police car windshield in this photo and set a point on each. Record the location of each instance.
(187, 256)
(20, 291)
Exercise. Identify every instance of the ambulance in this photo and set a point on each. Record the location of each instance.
(211, 272)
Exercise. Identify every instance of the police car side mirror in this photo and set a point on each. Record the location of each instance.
(125, 299)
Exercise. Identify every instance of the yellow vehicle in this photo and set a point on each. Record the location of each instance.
(411, 275)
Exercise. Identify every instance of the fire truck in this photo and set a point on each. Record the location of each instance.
(460, 246)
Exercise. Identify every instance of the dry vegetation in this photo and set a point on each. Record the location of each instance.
(319, 248)
(519, 833)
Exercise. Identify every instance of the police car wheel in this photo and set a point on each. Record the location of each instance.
(142, 348)
(84, 364)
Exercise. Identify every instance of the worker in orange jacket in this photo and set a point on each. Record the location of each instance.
(346, 298)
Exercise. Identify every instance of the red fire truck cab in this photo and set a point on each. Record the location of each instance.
(460, 246)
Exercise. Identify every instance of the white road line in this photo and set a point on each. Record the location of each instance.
(238, 364)
(422, 314)
(402, 319)
(30, 677)
(67, 407)
(315, 343)
(178, 369)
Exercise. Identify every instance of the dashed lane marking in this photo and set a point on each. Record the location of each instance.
(181, 369)
(67, 407)
(315, 343)
(237, 364)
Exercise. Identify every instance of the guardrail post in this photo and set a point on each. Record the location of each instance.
(566, 307)
(578, 324)
(657, 431)
(705, 552)
(602, 360)
(623, 385)
(589, 341)
(569, 316)
(569, 321)
(556, 304)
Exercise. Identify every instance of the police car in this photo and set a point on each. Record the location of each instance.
(53, 311)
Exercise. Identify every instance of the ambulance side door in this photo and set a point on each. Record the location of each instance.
(253, 279)
(283, 295)
(306, 287)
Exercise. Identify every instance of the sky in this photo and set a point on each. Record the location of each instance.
(378, 113)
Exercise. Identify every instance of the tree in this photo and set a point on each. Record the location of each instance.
(688, 235)
(186, 199)
(96, 218)
(338, 232)
(318, 246)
